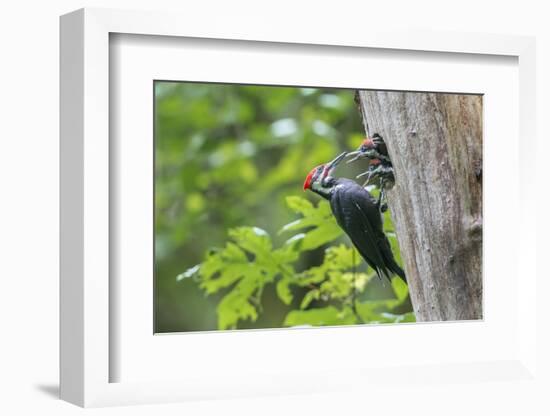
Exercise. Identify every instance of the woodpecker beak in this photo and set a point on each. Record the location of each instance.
(336, 161)
(356, 155)
(329, 167)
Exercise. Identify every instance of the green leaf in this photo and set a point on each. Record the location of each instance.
(321, 235)
(214, 262)
(300, 205)
(323, 226)
(253, 239)
(341, 257)
(295, 241)
(283, 290)
(294, 225)
(341, 285)
(222, 268)
(229, 275)
(337, 258)
(309, 297)
(289, 253)
(236, 305)
(233, 253)
(321, 316)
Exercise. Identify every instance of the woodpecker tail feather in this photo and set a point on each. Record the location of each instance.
(383, 274)
(398, 271)
(392, 269)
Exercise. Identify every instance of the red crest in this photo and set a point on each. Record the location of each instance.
(309, 177)
(368, 143)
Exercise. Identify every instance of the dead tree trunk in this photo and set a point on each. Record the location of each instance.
(435, 144)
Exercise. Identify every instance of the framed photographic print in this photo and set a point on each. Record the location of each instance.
(266, 214)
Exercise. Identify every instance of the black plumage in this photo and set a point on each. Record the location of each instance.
(358, 214)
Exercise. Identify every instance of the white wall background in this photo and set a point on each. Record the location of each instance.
(29, 184)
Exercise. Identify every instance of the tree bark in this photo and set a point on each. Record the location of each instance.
(435, 144)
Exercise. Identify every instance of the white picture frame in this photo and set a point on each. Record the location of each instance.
(86, 353)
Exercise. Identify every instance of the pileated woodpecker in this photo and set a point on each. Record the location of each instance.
(372, 148)
(380, 167)
(357, 213)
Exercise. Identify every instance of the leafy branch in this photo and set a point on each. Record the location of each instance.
(249, 262)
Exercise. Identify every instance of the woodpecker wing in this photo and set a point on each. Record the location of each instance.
(390, 266)
(357, 213)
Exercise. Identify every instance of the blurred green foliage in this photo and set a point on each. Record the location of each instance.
(237, 242)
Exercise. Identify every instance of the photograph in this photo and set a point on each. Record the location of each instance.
(300, 206)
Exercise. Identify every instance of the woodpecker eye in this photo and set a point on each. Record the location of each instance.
(312, 176)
